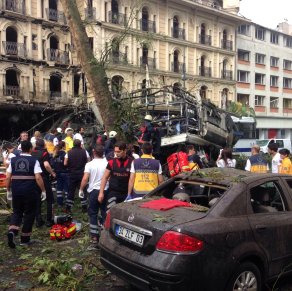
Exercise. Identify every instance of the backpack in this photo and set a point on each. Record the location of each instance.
(178, 163)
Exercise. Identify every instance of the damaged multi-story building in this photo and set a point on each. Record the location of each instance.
(37, 68)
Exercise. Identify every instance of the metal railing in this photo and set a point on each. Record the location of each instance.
(147, 25)
(11, 91)
(118, 58)
(117, 18)
(14, 49)
(205, 39)
(177, 67)
(90, 13)
(227, 44)
(151, 62)
(17, 6)
(227, 75)
(211, 4)
(57, 56)
(205, 71)
(55, 15)
(178, 33)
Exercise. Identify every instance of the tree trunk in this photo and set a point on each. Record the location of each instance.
(94, 71)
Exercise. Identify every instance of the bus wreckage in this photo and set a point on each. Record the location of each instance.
(185, 118)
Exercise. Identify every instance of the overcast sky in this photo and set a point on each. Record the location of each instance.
(268, 13)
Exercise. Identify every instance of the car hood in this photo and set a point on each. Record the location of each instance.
(132, 216)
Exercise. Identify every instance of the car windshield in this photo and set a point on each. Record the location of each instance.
(262, 142)
(196, 192)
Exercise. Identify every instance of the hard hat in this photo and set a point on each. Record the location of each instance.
(148, 117)
(59, 129)
(112, 133)
(68, 129)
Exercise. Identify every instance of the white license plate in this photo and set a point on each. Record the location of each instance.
(130, 235)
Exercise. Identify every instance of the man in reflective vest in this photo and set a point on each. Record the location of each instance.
(146, 173)
(256, 163)
(23, 176)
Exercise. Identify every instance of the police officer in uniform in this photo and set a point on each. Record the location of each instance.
(118, 174)
(75, 160)
(43, 157)
(23, 177)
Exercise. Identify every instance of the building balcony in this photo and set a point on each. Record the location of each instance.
(118, 58)
(151, 62)
(178, 33)
(55, 15)
(227, 75)
(17, 6)
(14, 49)
(117, 18)
(90, 13)
(13, 91)
(147, 25)
(57, 56)
(205, 39)
(227, 44)
(177, 67)
(205, 72)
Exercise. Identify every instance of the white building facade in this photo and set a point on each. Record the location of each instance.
(264, 78)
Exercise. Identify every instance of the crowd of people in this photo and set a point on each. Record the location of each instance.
(109, 174)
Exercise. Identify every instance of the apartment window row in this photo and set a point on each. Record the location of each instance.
(260, 79)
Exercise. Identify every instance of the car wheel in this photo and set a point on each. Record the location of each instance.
(246, 277)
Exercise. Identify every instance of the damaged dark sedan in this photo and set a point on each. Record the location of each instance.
(213, 229)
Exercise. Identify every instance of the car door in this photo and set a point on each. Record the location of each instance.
(271, 222)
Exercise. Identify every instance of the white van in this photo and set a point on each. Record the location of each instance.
(282, 143)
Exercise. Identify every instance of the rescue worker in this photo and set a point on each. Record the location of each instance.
(68, 139)
(93, 174)
(23, 136)
(276, 159)
(118, 174)
(256, 163)
(59, 134)
(194, 159)
(110, 142)
(79, 135)
(146, 173)
(75, 160)
(51, 141)
(22, 178)
(43, 157)
(286, 165)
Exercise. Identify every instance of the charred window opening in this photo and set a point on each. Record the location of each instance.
(145, 55)
(11, 34)
(224, 98)
(11, 46)
(55, 86)
(203, 33)
(202, 65)
(54, 42)
(115, 50)
(224, 36)
(175, 61)
(77, 80)
(12, 81)
(90, 39)
(115, 8)
(145, 19)
(89, 4)
(175, 27)
(117, 86)
(53, 4)
(203, 92)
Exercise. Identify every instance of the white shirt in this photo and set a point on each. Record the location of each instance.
(78, 136)
(96, 169)
(276, 161)
(230, 163)
(37, 167)
(9, 157)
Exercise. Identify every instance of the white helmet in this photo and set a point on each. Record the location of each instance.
(59, 130)
(112, 133)
(68, 129)
(148, 117)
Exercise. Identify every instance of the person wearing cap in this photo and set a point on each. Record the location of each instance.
(256, 163)
(110, 142)
(22, 178)
(68, 139)
(43, 157)
(59, 134)
(79, 135)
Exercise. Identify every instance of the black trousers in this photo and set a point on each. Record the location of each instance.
(74, 182)
(114, 197)
(49, 200)
(24, 208)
